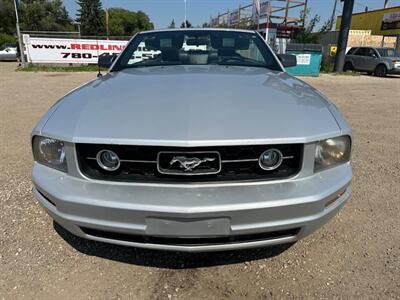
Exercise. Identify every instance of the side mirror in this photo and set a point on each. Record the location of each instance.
(105, 60)
(288, 60)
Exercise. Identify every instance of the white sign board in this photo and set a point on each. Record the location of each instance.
(391, 21)
(79, 51)
(391, 17)
(264, 9)
(303, 59)
(70, 51)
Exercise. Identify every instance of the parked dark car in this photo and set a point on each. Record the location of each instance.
(378, 61)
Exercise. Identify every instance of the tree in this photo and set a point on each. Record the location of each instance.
(44, 15)
(7, 39)
(7, 23)
(308, 34)
(143, 21)
(188, 24)
(49, 15)
(172, 25)
(326, 26)
(35, 15)
(91, 16)
(123, 22)
(7, 17)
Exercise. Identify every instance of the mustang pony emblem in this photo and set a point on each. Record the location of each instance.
(189, 163)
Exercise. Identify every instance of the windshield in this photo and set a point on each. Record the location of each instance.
(197, 47)
(388, 52)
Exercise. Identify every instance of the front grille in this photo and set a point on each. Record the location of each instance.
(191, 241)
(238, 163)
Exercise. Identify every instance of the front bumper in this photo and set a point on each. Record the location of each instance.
(394, 70)
(163, 214)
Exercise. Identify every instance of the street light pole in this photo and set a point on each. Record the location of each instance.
(21, 44)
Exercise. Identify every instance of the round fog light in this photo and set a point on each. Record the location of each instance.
(108, 160)
(270, 159)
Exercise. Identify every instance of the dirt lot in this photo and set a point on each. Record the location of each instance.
(357, 255)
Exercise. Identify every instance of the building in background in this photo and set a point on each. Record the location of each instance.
(381, 22)
(276, 20)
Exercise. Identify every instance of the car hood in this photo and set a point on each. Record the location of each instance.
(192, 105)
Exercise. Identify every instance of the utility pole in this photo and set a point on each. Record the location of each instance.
(333, 16)
(267, 25)
(79, 29)
(344, 34)
(286, 11)
(305, 12)
(185, 16)
(385, 5)
(107, 27)
(20, 43)
(107, 19)
(238, 23)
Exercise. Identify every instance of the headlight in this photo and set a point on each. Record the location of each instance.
(332, 152)
(49, 152)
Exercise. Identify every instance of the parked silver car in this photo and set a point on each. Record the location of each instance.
(197, 141)
(378, 61)
(8, 53)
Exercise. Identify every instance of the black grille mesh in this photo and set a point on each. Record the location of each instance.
(146, 169)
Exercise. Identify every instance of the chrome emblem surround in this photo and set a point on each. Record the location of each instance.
(189, 161)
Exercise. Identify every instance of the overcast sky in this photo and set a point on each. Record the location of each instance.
(161, 12)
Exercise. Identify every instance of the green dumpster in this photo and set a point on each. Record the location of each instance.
(308, 59)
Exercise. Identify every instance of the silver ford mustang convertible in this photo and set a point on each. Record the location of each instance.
(195, 140)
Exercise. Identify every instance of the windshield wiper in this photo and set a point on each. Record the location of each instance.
(159, 64)
(246, 62)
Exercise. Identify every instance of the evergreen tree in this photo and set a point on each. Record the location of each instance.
(172, 25)
(91, 16)
(188, 24)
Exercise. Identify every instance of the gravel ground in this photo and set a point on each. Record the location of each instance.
(356, 255)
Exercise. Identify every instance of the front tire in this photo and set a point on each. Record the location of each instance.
(348, 66)
(381, 71)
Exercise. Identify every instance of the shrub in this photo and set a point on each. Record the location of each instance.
(7, 39)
